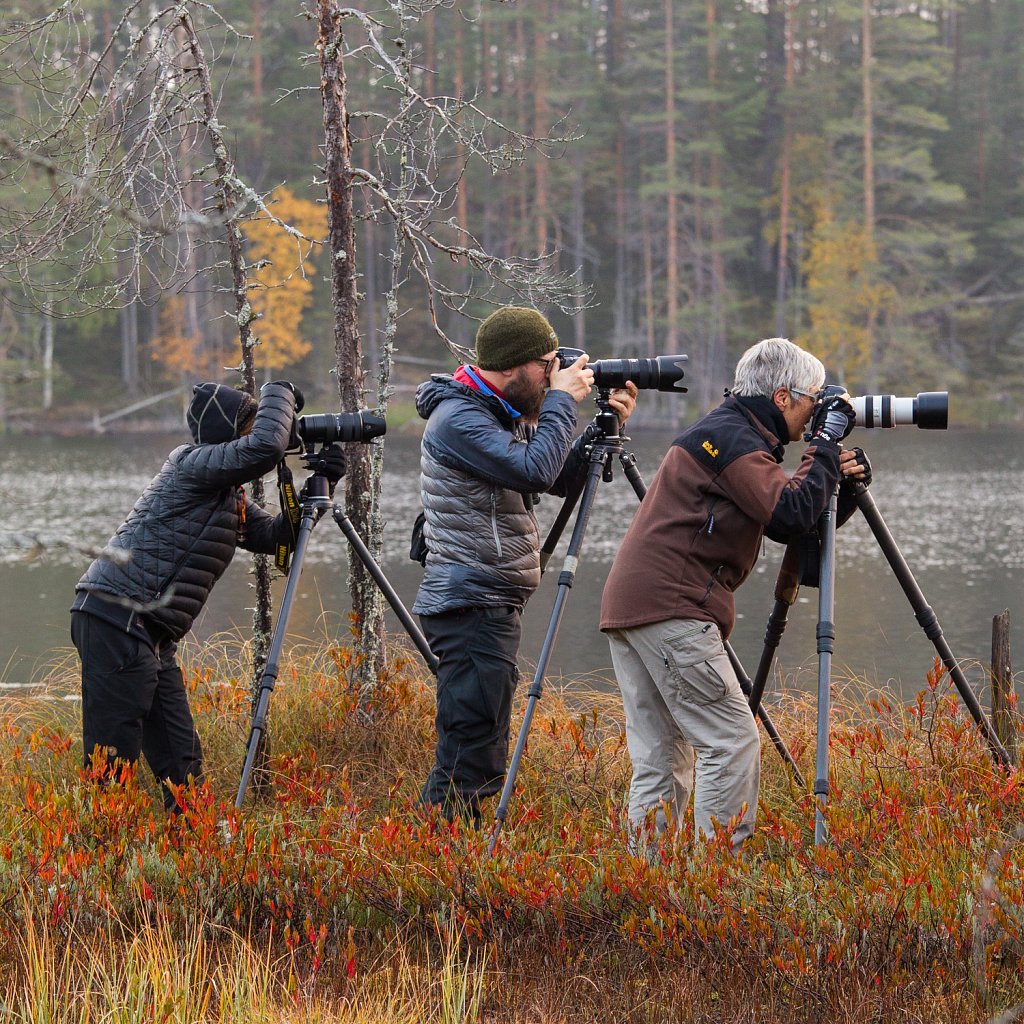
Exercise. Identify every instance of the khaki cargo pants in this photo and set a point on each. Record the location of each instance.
(683, 701)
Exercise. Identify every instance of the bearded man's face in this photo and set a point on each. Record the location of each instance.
(525, 392)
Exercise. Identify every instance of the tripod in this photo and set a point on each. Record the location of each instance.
(315, 503)
(785, 595)
(603, 441)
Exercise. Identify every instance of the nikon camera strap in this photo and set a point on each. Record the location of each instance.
(292, 511)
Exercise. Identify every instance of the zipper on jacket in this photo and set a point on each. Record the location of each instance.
(494, 522)
(708, 526)
(712, 580)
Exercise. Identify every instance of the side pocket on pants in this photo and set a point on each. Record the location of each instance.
(698, 664)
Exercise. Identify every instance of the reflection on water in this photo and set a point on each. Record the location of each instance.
(952, 501)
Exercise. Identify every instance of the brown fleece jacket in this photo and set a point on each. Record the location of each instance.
(695, 537)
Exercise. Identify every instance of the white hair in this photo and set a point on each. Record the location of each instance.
(777, 363)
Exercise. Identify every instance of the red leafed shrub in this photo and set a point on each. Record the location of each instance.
(917, 895)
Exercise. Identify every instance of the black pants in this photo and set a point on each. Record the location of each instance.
(134, 702)
(476, 679)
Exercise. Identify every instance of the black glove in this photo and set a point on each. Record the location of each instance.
(330, 463)
(300, 401)
(862, 459)
(833, 420)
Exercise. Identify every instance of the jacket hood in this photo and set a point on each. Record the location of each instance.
(431, 393)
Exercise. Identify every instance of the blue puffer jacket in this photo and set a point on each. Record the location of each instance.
(182, 533)
(479, 471)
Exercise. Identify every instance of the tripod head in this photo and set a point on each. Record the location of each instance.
(602, 438)
(327, 462)
(606, 423)
(327, 467)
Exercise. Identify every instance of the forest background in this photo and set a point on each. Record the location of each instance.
(847, 173)
(703, 173)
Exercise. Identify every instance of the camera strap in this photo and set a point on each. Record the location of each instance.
(291, 511)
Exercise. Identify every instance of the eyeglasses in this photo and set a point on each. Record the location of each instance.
(812, 395)
(546, 363)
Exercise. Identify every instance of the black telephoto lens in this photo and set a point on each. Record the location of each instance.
(661, 373)
(341, 426)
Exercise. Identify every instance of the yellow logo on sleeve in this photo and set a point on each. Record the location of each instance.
(710, 449)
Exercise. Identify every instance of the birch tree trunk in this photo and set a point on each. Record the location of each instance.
(48, 333)
(227, 200)
(128, 317)
(360, 488)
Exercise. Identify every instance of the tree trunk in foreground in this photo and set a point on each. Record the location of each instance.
(360, 489)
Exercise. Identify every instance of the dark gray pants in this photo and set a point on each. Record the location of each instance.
(476, 680)
(134, 702)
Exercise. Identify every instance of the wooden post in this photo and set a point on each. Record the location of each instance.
(1004, 699)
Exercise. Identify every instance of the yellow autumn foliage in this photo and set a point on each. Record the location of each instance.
(845, 295)
(180, 350)
(284, 266)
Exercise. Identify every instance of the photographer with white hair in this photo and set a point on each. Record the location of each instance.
(668, 604)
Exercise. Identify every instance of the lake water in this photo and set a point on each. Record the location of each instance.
(952, 501)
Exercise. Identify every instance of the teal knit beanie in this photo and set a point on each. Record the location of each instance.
(512, 336)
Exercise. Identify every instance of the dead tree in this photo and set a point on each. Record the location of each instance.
(125, 170)
(123, 173)
(407, 139)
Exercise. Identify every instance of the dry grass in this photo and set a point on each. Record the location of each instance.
(334, 899)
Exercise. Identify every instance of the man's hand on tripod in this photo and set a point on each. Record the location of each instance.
(855, 466)
(623, 401)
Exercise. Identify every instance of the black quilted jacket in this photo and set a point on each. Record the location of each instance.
(182, 533)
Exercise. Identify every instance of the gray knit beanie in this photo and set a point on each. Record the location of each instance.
(512, 336)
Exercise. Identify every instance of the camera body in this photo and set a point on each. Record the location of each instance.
(662, 373)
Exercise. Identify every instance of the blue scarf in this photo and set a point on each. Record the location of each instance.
(481, 385)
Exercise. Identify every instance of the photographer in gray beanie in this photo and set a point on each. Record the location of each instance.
(142, 594)
(497, 434)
